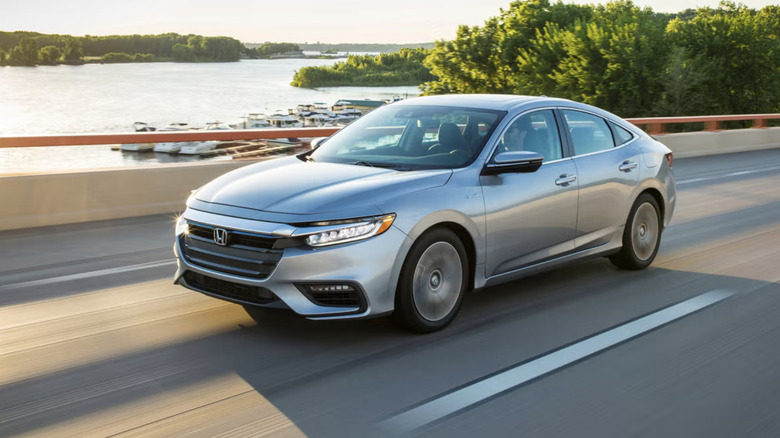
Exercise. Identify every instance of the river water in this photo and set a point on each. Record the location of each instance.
(63, 99)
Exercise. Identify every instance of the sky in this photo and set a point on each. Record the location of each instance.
(299, 21)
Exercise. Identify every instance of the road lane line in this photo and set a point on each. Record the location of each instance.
(726, 175)
(91, 274)
(467, 396)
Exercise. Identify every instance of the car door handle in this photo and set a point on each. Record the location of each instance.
(565, 179)
(627, 166)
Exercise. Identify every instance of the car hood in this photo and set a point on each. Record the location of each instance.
(292, 186)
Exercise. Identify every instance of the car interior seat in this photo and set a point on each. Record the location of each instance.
(450, 139)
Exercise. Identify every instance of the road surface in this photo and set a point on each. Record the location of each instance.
(95, 340)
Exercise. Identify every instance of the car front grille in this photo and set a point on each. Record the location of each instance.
(229, 289)
(244, 254)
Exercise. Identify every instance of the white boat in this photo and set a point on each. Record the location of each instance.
(255, 121)
(280, 120)
(198, 147)
(319, 120)
(172, 147)
(217, 126)
(139, 147)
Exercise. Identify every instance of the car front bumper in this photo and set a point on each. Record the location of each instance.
(371, 266)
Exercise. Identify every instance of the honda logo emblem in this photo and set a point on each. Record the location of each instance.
(220, 236)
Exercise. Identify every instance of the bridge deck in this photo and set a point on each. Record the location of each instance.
(96, 341)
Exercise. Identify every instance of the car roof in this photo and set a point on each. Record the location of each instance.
(500, 102)
(509, 102)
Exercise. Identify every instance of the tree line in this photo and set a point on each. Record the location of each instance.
(404, 67)
(31, 48)
(266, 50)
(618, 56)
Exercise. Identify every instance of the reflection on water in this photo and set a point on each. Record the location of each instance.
(110, 97)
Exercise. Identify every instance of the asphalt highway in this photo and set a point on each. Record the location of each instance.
(95, 340)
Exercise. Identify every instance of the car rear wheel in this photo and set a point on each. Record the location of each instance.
(432, 282)
(642, 235)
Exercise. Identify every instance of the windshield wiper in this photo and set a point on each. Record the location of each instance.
(393, 166)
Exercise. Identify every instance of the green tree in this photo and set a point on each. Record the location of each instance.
(222, 49)
(2, 57)
(195, 43)
(739, 48)
(404, 67)
(627, 59)
(116, 57)
(49, 55)
(615, 60)
(28, 51)
(268, 49)
(183, 53)
(73, 53)
(143, 57)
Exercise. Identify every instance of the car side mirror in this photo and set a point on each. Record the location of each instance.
(514, 162)
(317, 142)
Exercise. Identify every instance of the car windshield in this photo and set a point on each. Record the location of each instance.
(407, 137)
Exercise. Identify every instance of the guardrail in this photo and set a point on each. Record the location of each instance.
(160, 137)
(657, 125)
(653, 125)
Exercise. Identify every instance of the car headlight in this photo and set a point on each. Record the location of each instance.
(349, 231)
(182, 227)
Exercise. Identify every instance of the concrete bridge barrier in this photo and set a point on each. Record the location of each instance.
(696, 144)
(55, 198)
(33, 200)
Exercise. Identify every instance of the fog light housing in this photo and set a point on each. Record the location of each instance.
(318, 288)
(335, 294)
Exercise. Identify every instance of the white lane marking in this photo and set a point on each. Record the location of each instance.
(726, 175)
(91, 274)
(491, 386)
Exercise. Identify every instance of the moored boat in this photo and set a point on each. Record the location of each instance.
(199, 147)
(172, 147)
(139, 147)
(280, 120)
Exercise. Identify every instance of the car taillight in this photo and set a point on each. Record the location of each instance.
(669, 159)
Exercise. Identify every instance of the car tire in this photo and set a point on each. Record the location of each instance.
(641, 236)
(432, 283)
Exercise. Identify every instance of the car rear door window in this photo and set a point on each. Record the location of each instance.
(622, 136)
(589, 133)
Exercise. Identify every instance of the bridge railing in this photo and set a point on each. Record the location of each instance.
(160, 137)
(653, 125)
(657, 125)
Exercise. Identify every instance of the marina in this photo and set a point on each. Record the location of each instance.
(109, 98)
(314, 115)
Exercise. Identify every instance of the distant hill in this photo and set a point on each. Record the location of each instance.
(355, 47)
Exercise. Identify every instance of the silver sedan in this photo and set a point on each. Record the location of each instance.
(418, 202)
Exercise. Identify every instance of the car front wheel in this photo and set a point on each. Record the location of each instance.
(432, 282)
(642, 235)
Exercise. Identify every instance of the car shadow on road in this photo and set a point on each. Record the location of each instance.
(306, 368)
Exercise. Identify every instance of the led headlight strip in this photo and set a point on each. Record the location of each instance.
(350, 232)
